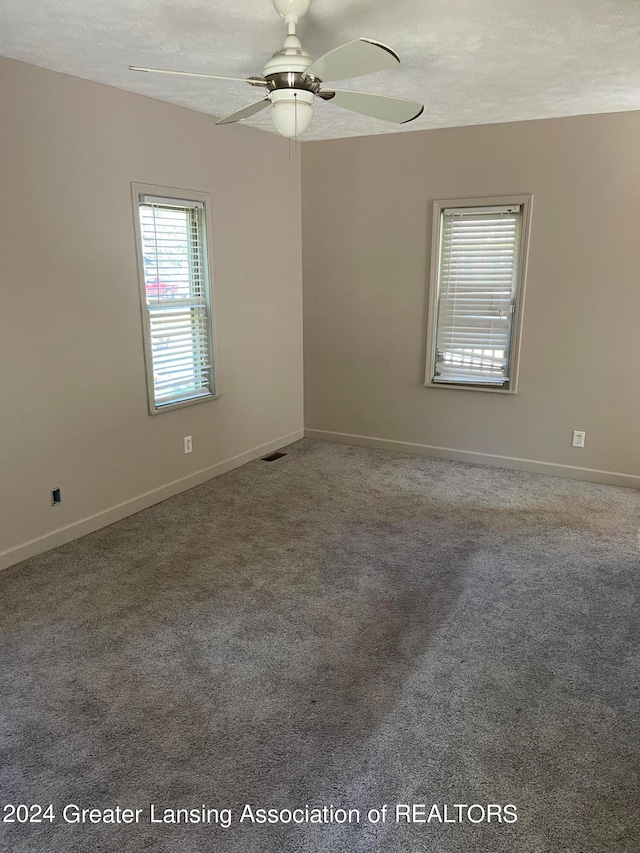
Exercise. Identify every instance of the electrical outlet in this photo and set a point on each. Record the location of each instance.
(188, 445)
(578, 438)
(56, 497)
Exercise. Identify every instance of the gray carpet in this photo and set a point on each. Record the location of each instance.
(342, 626)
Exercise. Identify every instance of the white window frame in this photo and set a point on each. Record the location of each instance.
(525, 202)
(167, 195)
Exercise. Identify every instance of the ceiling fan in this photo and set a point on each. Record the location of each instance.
(291, 80)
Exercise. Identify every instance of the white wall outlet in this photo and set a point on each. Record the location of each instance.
(188, 444)
(578, 438)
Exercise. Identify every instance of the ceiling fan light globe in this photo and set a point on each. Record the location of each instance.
(291, 111)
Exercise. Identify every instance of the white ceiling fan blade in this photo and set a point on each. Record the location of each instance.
(245, 112)
(353, 59)
(254, 81)
(398, 110)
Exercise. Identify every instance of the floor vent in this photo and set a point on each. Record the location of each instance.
(273, 456)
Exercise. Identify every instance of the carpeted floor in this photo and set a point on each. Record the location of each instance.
(344, 627)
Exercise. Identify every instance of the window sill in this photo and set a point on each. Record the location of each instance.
(460, 387)
(170, 407)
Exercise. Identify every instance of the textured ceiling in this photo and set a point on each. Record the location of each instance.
(468, 61)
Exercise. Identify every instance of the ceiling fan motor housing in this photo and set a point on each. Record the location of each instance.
(290, 59)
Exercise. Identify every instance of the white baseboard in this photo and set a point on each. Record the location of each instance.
(102, 519)
(570, 472)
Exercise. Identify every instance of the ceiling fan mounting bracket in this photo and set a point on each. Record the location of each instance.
(292, 10)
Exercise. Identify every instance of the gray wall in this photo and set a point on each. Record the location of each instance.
(72, 384)
(367, 206)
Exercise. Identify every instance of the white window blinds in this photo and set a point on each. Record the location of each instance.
(176, 299)
(477, 284)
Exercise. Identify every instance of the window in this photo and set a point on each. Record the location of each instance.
(477, 290)
(175, 296)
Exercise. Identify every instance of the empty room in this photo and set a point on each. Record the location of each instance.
(320, 427)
